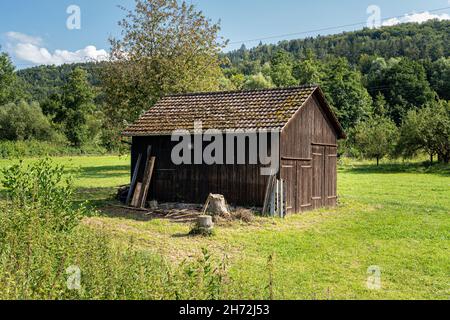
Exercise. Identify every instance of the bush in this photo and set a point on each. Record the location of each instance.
(23, 121)
(33, 148)
(45, 250)
(42, 187)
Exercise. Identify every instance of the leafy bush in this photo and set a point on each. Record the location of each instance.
(33, 148)
(43, 245)
(42, 186)
(23, 121)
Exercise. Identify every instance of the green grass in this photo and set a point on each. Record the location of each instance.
(396, 217)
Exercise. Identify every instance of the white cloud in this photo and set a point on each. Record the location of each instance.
(29, 49)
(416, 17)
(23, 38)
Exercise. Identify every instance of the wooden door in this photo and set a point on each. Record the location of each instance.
(288, 174)
(304, 186)
(318, 177)
(331, 176)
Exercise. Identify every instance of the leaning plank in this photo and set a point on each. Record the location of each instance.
(268, 195)
(134, 180)
(135, 201)
(146, 183)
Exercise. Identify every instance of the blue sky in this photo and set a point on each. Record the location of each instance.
(31, 31)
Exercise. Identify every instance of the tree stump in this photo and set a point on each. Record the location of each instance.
(205, 222)
(216, 206)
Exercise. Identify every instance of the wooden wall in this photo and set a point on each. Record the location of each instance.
(241, 185)
(309, 159)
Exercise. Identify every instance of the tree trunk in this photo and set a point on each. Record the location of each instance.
(378, 161)
(431, 158)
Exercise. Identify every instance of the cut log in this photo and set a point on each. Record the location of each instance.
(205, 222)
(217, 206)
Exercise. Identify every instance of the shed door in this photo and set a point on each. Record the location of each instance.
(331, 176)
(304, 185)
(288, 174)
(318, 189)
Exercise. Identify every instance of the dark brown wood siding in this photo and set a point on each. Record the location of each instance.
(241, 185)
(309, 159)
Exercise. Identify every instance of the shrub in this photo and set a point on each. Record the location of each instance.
(33, 148)
(42, 186)
(23, 121)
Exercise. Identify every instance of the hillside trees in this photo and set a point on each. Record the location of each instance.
(71, 109)
(166, 47)
(11, 88)
(403, 83)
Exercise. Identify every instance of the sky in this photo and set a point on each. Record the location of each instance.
(55, 32)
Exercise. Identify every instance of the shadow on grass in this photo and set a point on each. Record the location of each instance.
(95, 197)
(101, 172)
(438, 169)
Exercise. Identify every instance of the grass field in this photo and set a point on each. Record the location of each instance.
(395, 217)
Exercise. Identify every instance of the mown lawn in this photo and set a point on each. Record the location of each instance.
(395, 217)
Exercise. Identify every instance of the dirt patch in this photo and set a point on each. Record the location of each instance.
(175, 212)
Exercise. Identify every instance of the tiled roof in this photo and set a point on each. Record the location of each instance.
(243, 110)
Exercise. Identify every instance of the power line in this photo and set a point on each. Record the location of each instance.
(326, 29)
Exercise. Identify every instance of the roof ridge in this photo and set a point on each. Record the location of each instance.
(304, 86)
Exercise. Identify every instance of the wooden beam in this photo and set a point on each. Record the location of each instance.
(324, 144)
(268, 195)
(147, 180)
(134, 180)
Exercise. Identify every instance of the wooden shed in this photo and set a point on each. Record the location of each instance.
(307, 144)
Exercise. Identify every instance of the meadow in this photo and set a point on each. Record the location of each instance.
(395, 217)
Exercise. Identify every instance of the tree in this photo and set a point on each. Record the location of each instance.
(309, 70)
(166, 47)
(23, 121)
(427, 130)
(71, 109)
(258, 81)
(345, 92)
(404, 84)
(376, 137)
(440, 77)
(11, 88)
(281, 70)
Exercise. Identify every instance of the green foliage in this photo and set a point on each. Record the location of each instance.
(34, 148)
(428, 40)
(404, 84)
(42, 188)
(439, 77)
(11, 88)
(427, 130)
(23, 121)
(345, 92)
(258, 81)
(281, 70)
(170, 48)
(376, 137)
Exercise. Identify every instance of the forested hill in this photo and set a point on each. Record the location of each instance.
(44, 81)
(427, 41)
(430, 40)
